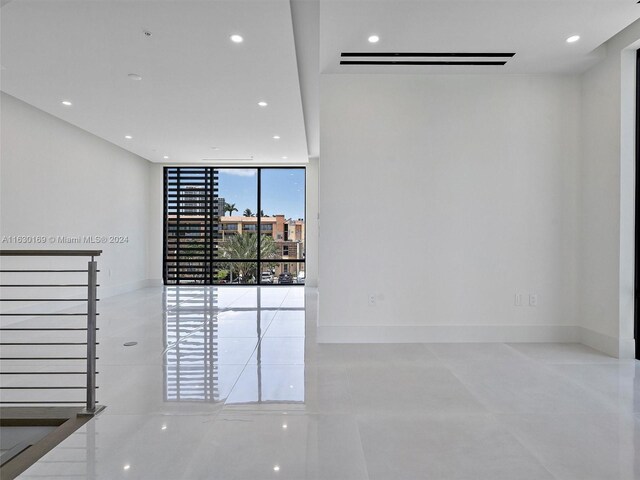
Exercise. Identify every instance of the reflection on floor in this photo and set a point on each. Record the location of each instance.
(229, 383)
(204, 344)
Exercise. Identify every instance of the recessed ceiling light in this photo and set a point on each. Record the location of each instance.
(263, 104)
(276, 137)
(134, 76)
(128, 137)
(66, 103)
(284, 158)
(166, 157)
(374, 39)
(573, 39)
(236, 38)
(164, 427)
(276, 468)
(127, 467)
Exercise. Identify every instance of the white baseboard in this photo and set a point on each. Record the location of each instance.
(448, 334)
(615, 347)
(618, 348)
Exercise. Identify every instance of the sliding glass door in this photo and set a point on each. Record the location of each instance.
(235, 226)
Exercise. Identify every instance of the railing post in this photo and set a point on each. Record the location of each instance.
(91, 335)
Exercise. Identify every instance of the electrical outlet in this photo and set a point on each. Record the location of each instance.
(518, 300)
(372, 299)
(533, 300)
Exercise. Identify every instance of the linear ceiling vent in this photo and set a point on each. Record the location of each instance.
(428, 58)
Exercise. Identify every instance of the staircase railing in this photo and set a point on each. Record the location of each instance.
(23, 338)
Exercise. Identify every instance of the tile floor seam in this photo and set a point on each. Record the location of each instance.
(361, 447)
(464, 385)
(528, 449)
(521, 441)
(254, 350)
(611, 360)
(602, 398)
(545, 366)
(278, 309)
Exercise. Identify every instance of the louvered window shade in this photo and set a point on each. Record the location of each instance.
(191, 225)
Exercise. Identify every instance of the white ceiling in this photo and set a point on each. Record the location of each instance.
(199, 90)
(535, 30)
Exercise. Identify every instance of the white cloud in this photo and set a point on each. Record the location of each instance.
(240, 172)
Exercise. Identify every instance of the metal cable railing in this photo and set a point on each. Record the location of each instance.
(50, 351)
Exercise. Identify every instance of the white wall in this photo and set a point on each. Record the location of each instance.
(607, 198)
(156, 225)
(444, 196)
(59, 180)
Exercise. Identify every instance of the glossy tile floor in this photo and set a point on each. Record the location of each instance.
(229, 383)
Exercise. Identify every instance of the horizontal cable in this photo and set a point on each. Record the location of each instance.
(38, 329)
(47, 401)
(44, 343)
(45, 358)
(44, 314)
(428, 54)
(407, 62)
(50, 253)
(44, 373)
(49, 285)
(46, 299)
(45, 271)
(45, 388)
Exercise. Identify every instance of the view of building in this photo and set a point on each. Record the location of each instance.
(287, 234)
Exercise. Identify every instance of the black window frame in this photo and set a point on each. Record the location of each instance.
(258, 261)
(637, 214)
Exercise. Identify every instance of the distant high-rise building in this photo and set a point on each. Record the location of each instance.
(219, 203)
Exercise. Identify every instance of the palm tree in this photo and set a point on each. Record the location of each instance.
(248, 213)
(245, 247)
(230, 207)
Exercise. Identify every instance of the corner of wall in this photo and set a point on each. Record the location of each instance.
(606, 198)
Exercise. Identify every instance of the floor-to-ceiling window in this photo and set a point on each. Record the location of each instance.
(282, 196)
(237, 240)
(237, 226)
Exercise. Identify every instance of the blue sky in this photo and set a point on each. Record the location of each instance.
(282, 190)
